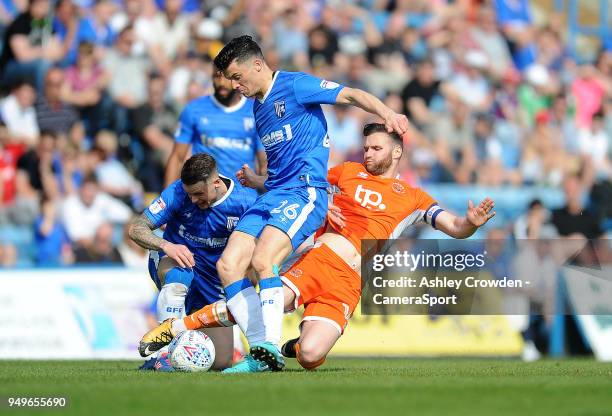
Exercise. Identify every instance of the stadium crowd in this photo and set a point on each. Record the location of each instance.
(92, 92)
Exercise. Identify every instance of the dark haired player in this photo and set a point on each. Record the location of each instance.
(293, 131)
(200, 211)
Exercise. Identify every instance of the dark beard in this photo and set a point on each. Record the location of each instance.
(227, 100)
(380, 167)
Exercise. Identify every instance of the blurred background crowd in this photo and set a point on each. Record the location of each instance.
(498, 97)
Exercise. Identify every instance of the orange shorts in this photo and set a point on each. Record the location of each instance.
(326, 285)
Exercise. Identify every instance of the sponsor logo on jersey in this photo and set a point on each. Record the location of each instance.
(362, 175)
(329, 85)
(157, 206)
(279, 108)
(398, 187)
(232, 222)
(369, 199)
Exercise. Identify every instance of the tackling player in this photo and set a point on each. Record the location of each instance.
(221, 125)
(326, 279)
(200, 211)
(293, 130)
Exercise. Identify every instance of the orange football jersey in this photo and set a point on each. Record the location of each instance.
(377, 208)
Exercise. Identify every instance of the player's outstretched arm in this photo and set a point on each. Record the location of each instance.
(141, 232)
(366, 101)
(463, 227)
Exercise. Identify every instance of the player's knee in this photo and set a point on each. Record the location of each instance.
(261, 263)
(310, 355)
(225, 269)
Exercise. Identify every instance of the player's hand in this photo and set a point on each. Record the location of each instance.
(398, 123)
(334, 215)
(479, 215)
(247, 177)
(179, 253)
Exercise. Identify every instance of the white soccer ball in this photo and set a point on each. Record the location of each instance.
(192, 351)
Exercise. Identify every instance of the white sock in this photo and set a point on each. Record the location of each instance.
(171, 301)
(243, 303)
(272, 299)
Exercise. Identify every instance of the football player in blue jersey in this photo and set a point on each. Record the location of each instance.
(200, 211)
(221, 125)
(290, 122)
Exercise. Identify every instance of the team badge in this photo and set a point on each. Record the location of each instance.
(397, 187)
(279, 108)
(232, 222)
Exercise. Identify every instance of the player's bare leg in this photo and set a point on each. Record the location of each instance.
(316, 340)
(272, 248)
(223, 338)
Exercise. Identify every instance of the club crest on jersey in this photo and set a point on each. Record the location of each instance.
(296, 273)
(279, 108)
(232, 222)
(398, 187)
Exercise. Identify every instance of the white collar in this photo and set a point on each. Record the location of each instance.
(269, 88)
(231, 109)
(229, 191)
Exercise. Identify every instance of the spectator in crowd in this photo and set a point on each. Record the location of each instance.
(128, 79)
(85, 88)
(30, 46)
(594, 144)
(18, 113)
(420, 92)
(170, 30)
(52, 113)
(112, 175)
(96, 26)
(101, 250)
(40, 161)
(154, 124)
(52, 244)
(85, 211)
(489, 39)
(574, 219)
(66, 23)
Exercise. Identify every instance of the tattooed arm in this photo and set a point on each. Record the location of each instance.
(141, 232)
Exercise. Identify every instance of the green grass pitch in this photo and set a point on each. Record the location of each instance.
(357, 386)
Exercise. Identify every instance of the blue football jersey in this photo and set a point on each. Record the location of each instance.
(226, 133)
(293, 130)
(204, 231)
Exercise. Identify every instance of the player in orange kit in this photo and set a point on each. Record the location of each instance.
(373, 204)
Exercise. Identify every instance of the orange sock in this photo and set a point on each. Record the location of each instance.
(210, 316)
(309, 366)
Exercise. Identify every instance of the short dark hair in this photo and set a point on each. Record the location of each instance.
(198, 168)
(372, 128)
(240, 49)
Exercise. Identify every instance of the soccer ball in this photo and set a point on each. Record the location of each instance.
(192, 351)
